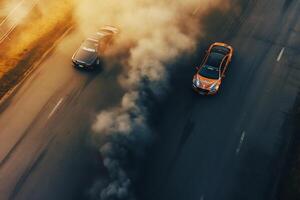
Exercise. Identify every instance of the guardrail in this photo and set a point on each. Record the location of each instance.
(15, 16)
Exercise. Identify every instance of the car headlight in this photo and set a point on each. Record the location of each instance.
(194, 80)
(214, 87)
(197, 82)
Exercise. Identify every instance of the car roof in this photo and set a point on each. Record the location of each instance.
(110, 28)
(103, 32)
(90, 39)
(215, 59)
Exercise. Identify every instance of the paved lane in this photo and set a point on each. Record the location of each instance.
(44, 152)
(229, 147)
(218, 148)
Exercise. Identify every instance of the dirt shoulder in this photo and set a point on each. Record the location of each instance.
(31, 40)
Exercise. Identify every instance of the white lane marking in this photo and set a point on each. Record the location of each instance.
(55, 108)
(202, 197)
(241, 142)
(280, 54)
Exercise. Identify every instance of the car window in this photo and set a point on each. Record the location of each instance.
(209, 72)
(214, 60)
(90, 44)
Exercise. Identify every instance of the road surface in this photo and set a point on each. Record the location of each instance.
(230, 146)
(209, 148)
(45, 152)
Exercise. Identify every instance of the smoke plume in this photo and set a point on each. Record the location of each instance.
(153, 34)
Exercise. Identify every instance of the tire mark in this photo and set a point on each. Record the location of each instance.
(25, 134)
(34, 164)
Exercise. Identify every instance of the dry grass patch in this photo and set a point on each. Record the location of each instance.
(31, 39)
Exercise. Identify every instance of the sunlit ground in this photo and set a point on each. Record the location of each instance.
(46, 17)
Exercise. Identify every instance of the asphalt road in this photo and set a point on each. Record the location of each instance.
(231, 146)
(210, 148)
(45, 152)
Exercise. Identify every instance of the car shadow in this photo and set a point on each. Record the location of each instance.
(95, 70)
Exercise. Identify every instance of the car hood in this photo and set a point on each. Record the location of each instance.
(85, 57)
(207, 83)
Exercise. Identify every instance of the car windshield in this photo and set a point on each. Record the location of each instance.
(209, 72)
(220, 50)
(89, 45)
(214, 60)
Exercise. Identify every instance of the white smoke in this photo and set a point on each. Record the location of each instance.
(154, 33)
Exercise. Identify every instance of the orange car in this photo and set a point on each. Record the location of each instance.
(209, 75)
